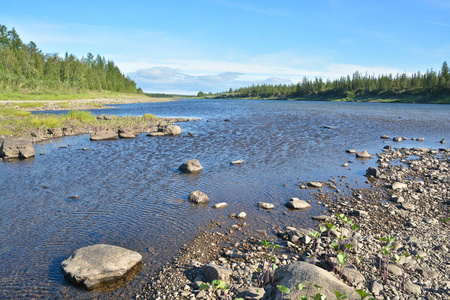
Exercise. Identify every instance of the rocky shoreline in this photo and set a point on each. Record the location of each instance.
(405, 212)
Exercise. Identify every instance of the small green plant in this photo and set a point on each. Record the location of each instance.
(220, 284)
(385, 256)
(283, 290)
(340, 296)
(316, 236)
(363, 294)
(268, 264)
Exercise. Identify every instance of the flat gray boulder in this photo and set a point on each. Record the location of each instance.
(127, 133)
(300, 272)
(215, 272)
(100, 264)
(16, 149)
(191, 166)
(198, 197)
(296, 203)
(104, 135)
(237, 162)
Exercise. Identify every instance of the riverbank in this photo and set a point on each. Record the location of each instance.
(16, 121)
(73, 101)
(405, 212)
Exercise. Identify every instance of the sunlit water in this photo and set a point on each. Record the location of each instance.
(132, 195)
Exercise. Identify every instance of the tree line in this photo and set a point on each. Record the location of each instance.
(25, 68)
(430, 85)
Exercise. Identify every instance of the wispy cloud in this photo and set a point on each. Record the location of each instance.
(439, 23)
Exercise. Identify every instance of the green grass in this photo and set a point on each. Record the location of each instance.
(9, 111)
(50, 121)
(95, 104)
(82, 116)
(149, 117)
(29, 104)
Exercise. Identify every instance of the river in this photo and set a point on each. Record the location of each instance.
(130, 193)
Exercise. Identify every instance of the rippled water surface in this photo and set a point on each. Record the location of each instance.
(132, 195)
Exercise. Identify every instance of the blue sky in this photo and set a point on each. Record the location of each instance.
(211, 45)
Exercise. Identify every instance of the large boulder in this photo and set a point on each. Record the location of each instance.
(96, 265)
(198, 197)
(172, 130)
(300, 272)
(215, 272)
(295, 203)
(104, 135)
(191, 166)
(127, 133)
(16, 149)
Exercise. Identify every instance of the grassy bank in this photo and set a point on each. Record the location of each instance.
(16, 123)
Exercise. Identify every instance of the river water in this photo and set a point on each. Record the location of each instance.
(130, 193)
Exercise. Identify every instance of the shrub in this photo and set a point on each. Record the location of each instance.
(8, 111)
(150, 117)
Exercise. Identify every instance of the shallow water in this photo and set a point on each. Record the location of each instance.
(132, 195)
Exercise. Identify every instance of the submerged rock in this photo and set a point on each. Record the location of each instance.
(16, 149)
(296, 203)
(100, 264)
(265, 205)
(172, 130)
(363, 154)
(237, 162)
(104, 135)
(198, 197)
(191, 166)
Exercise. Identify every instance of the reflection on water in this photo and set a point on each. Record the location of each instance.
(131, 194)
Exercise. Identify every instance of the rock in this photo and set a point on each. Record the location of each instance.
(421, 139)
(363, 154)
(328, 127)
(104, 135)
(387, 148)
(322, 218)
(350, 151)
(408, 206)
(237, 162)
(241, 215)
(353, 276)
(220, 205)
(191, 166)
(126, 133)
(397, 139)
(399, 186)
(299, 272)
(395, 270)
(315, 184)
(172, 130)
(158, 133)
(215, 272)
(96, 265)
(2, 138)
(384, 137)
(428, 273)
(265, 205)
(372, 171)
(251, 293)
(413, 288)
(442, 141)
(16, 149)
(198, 197)
(376, 287)
(295, 203)
(345, 165)
(397, 199)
